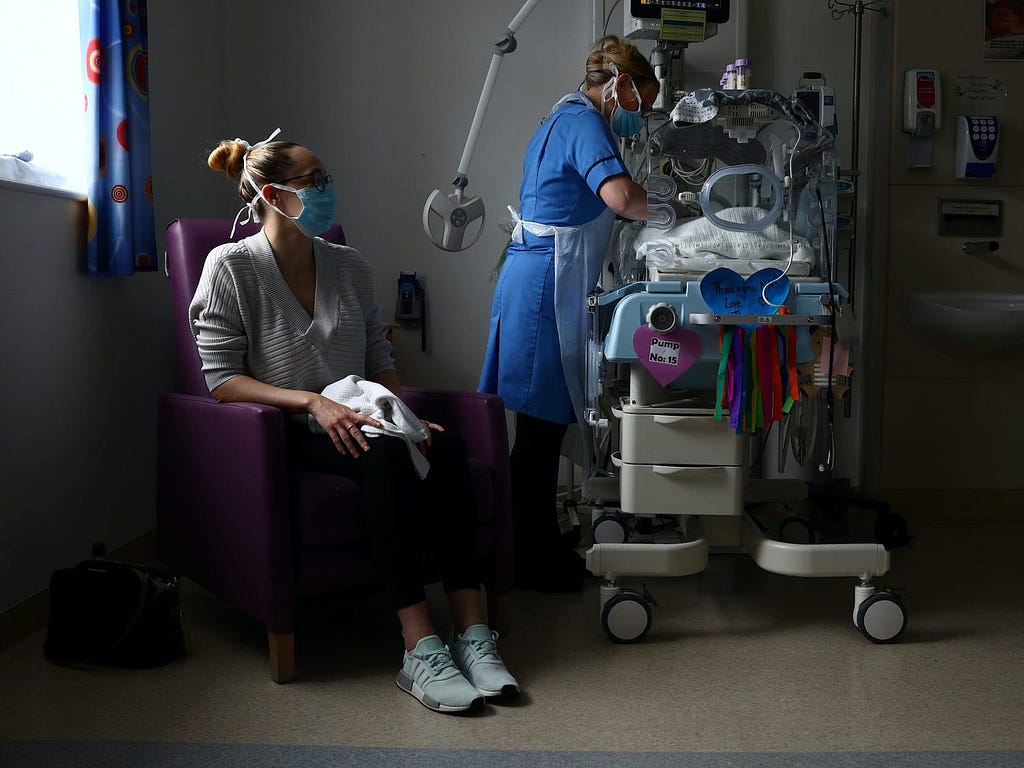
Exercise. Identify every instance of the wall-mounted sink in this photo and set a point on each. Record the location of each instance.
(966, 322)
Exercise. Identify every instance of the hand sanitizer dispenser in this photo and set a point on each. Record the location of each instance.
(977, 143)
(922, 114)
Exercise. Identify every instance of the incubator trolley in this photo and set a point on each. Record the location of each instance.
(680, 473)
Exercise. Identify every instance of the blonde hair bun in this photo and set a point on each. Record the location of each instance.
(229, 157)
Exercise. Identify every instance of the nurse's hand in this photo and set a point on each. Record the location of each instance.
(342, 425)
(430, 426)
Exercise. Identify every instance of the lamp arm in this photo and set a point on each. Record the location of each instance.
(507, 44)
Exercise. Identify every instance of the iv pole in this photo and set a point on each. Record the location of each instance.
(457, 211)
(840, 8)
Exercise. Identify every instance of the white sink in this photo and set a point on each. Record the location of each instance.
(964, 322)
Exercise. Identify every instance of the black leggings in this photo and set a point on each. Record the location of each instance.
(403, 512)
(534, 462)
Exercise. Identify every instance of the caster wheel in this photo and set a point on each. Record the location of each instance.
(882, 618)
(609, 529)
(626, 617)
(797, 530)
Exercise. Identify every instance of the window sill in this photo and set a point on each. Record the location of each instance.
(38, 189)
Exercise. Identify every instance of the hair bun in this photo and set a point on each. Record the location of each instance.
(229, 157)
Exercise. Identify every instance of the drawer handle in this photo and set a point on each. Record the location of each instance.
(663, 470)
(666, 419)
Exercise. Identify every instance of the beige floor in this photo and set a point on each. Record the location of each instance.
(736, 660)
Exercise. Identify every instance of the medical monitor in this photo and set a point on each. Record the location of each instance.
(717, 10)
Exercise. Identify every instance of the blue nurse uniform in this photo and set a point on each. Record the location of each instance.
(570, 155)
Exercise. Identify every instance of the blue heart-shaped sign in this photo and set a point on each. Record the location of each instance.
(728, 293)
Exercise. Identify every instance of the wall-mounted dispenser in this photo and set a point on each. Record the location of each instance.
(411, 305)
(977, 144)
(922, 114)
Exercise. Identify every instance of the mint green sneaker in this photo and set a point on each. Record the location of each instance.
(475, 652)
(429, 674)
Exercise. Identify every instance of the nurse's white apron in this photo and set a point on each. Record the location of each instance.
(580, 251)
(579, 255)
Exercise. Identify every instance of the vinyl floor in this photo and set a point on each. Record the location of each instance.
(737, 661)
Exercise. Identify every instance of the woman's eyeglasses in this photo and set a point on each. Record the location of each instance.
(320, 179)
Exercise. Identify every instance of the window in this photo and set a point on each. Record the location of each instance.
(41, 94)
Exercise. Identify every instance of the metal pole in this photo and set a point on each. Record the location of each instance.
(851, 265)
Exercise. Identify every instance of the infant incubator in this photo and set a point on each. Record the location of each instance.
(715, 325)
(719, 322)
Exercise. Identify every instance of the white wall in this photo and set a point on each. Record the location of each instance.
(83, 361)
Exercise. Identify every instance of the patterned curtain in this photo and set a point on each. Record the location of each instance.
(115, 44)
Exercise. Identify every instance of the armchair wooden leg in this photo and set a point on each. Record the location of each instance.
(282, 656)
(499, 613)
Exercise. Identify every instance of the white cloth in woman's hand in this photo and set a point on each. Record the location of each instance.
(376, 400)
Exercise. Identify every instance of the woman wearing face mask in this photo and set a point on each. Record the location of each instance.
(281, 315)
(574, 184)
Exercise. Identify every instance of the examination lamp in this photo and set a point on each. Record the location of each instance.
(447, 218)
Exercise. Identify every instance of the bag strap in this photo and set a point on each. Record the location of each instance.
(157, 574)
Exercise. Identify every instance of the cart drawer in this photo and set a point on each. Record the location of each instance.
(666, 438)
(659, 489)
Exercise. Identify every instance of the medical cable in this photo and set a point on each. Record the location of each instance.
(792, 250)
(609, 16)
(696, 176)
(829, 414)
(794, 433)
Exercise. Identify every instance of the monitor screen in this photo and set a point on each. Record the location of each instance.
(717, 10)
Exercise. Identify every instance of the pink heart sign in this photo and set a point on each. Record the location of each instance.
(666, 355)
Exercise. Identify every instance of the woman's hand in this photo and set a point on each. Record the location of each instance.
(430, 426)
(342, 425)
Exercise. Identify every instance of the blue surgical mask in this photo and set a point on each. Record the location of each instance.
(317, 212)
(625, 123)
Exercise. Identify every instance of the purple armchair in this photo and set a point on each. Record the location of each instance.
(232, 518)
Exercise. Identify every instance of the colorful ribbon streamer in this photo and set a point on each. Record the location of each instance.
(757, 375)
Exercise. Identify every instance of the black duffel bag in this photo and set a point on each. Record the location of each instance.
(107, 613)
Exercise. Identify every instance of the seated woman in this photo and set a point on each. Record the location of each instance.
(283, 314)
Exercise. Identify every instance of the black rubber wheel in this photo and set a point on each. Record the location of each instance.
(882, 618)
(626, 617)
(799, 529)
(610, 529)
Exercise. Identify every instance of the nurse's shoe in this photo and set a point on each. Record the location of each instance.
(475, 652)
(429, 674)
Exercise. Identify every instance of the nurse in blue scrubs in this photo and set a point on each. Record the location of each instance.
(574, 184)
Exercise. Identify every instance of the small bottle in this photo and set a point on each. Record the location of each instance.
(744, 74)
(729, 78)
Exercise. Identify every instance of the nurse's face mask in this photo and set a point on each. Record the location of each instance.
(624, 123)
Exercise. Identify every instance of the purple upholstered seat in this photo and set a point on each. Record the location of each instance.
(233, 519)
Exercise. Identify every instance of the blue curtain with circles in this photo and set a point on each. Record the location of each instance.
(121, 236)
